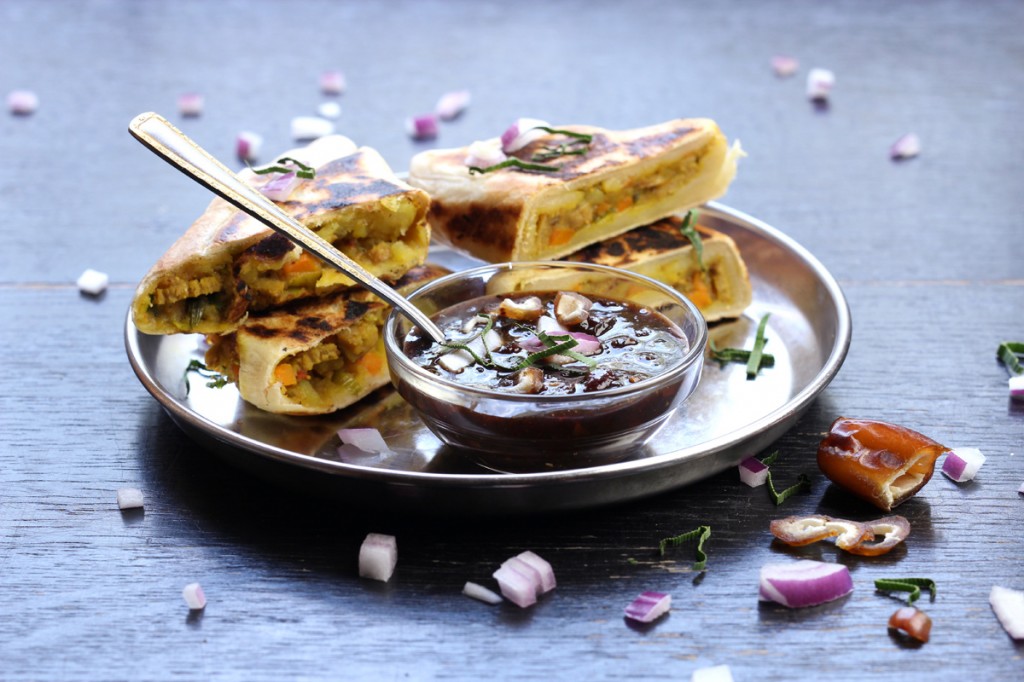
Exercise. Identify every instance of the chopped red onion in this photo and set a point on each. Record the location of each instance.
(519, 588)
(329, 110)
(247, 145)
(753, 472)
(543, 568)
(190, 104)
(22, 102)
(804, 583)
(481, 593)
(452, 104)
(332, 82)
(819, 84)
(549, 325)
(784, 65)
(280, 186)
(129, 498)
(1016, 386)
(649, 606)
(521, 133)
(1009, 609)
(422, 127)
(366, 439)
(586, 344)
(93, 282)
(194, 596)
(962, 464)
(311, 127)
(483, 154)
(716, 673)
(378, 556)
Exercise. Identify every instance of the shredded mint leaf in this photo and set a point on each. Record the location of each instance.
(217, 380)
(803, 482)
(689, 230)
(911, 585)
(582, 137)
(726, 355)
(700, 534)
(514, 163)
(754, 363)
(307, 172)
(1008, 353)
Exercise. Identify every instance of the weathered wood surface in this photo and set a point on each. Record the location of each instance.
(928, 251)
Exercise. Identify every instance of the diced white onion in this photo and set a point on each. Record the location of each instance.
(311, 127)
(366, 439)
(521, 133)
(194, 596)
(93, 282)
(906, 147)
(190, 104)
(649, 606)
(804, 583)
(485, 153)
(549, 325)
(544, 571)
(248, 145)
(458, 360)
(717, 673)
(519, 588)
(481, 593)
(332, 82)
(422, 127)
(820, 83)
(129, 498)
(753, 472)
(329, 109)
(451, 104)
(378, 557)
(1009, 609)
(22, 102)
(784, 65)
(962, 464)
(280, 186)
(1016, 386)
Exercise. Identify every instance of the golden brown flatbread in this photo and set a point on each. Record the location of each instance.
(661, 251)
(624, 180)
(228, 264)
(312, 356)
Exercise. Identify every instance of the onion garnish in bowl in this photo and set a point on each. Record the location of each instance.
(804, 583)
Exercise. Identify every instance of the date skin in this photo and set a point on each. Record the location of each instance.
(881, 463)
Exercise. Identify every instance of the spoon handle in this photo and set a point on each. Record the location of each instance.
(155, 132)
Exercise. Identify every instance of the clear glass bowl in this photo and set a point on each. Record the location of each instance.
(516, 432)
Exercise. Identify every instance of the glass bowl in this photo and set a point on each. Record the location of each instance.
(516, 432)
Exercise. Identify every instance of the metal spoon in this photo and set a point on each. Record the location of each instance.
(182, 152)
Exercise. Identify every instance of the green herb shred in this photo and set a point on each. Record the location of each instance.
(515, 163)
(803, 482)
(304, 171)
(689, 230)
(754, 363)
(1010, 353)
(754, 359)
(700, 534)
(216, 379)
(911, 585)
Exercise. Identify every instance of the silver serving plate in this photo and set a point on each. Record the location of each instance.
(727, 419)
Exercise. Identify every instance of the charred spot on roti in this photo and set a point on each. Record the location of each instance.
(479, 221)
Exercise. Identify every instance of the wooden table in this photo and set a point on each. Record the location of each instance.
(928, 251)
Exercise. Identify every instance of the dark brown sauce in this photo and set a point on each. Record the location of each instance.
(635, 343)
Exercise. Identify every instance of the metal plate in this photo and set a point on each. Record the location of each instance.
(728, 418)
